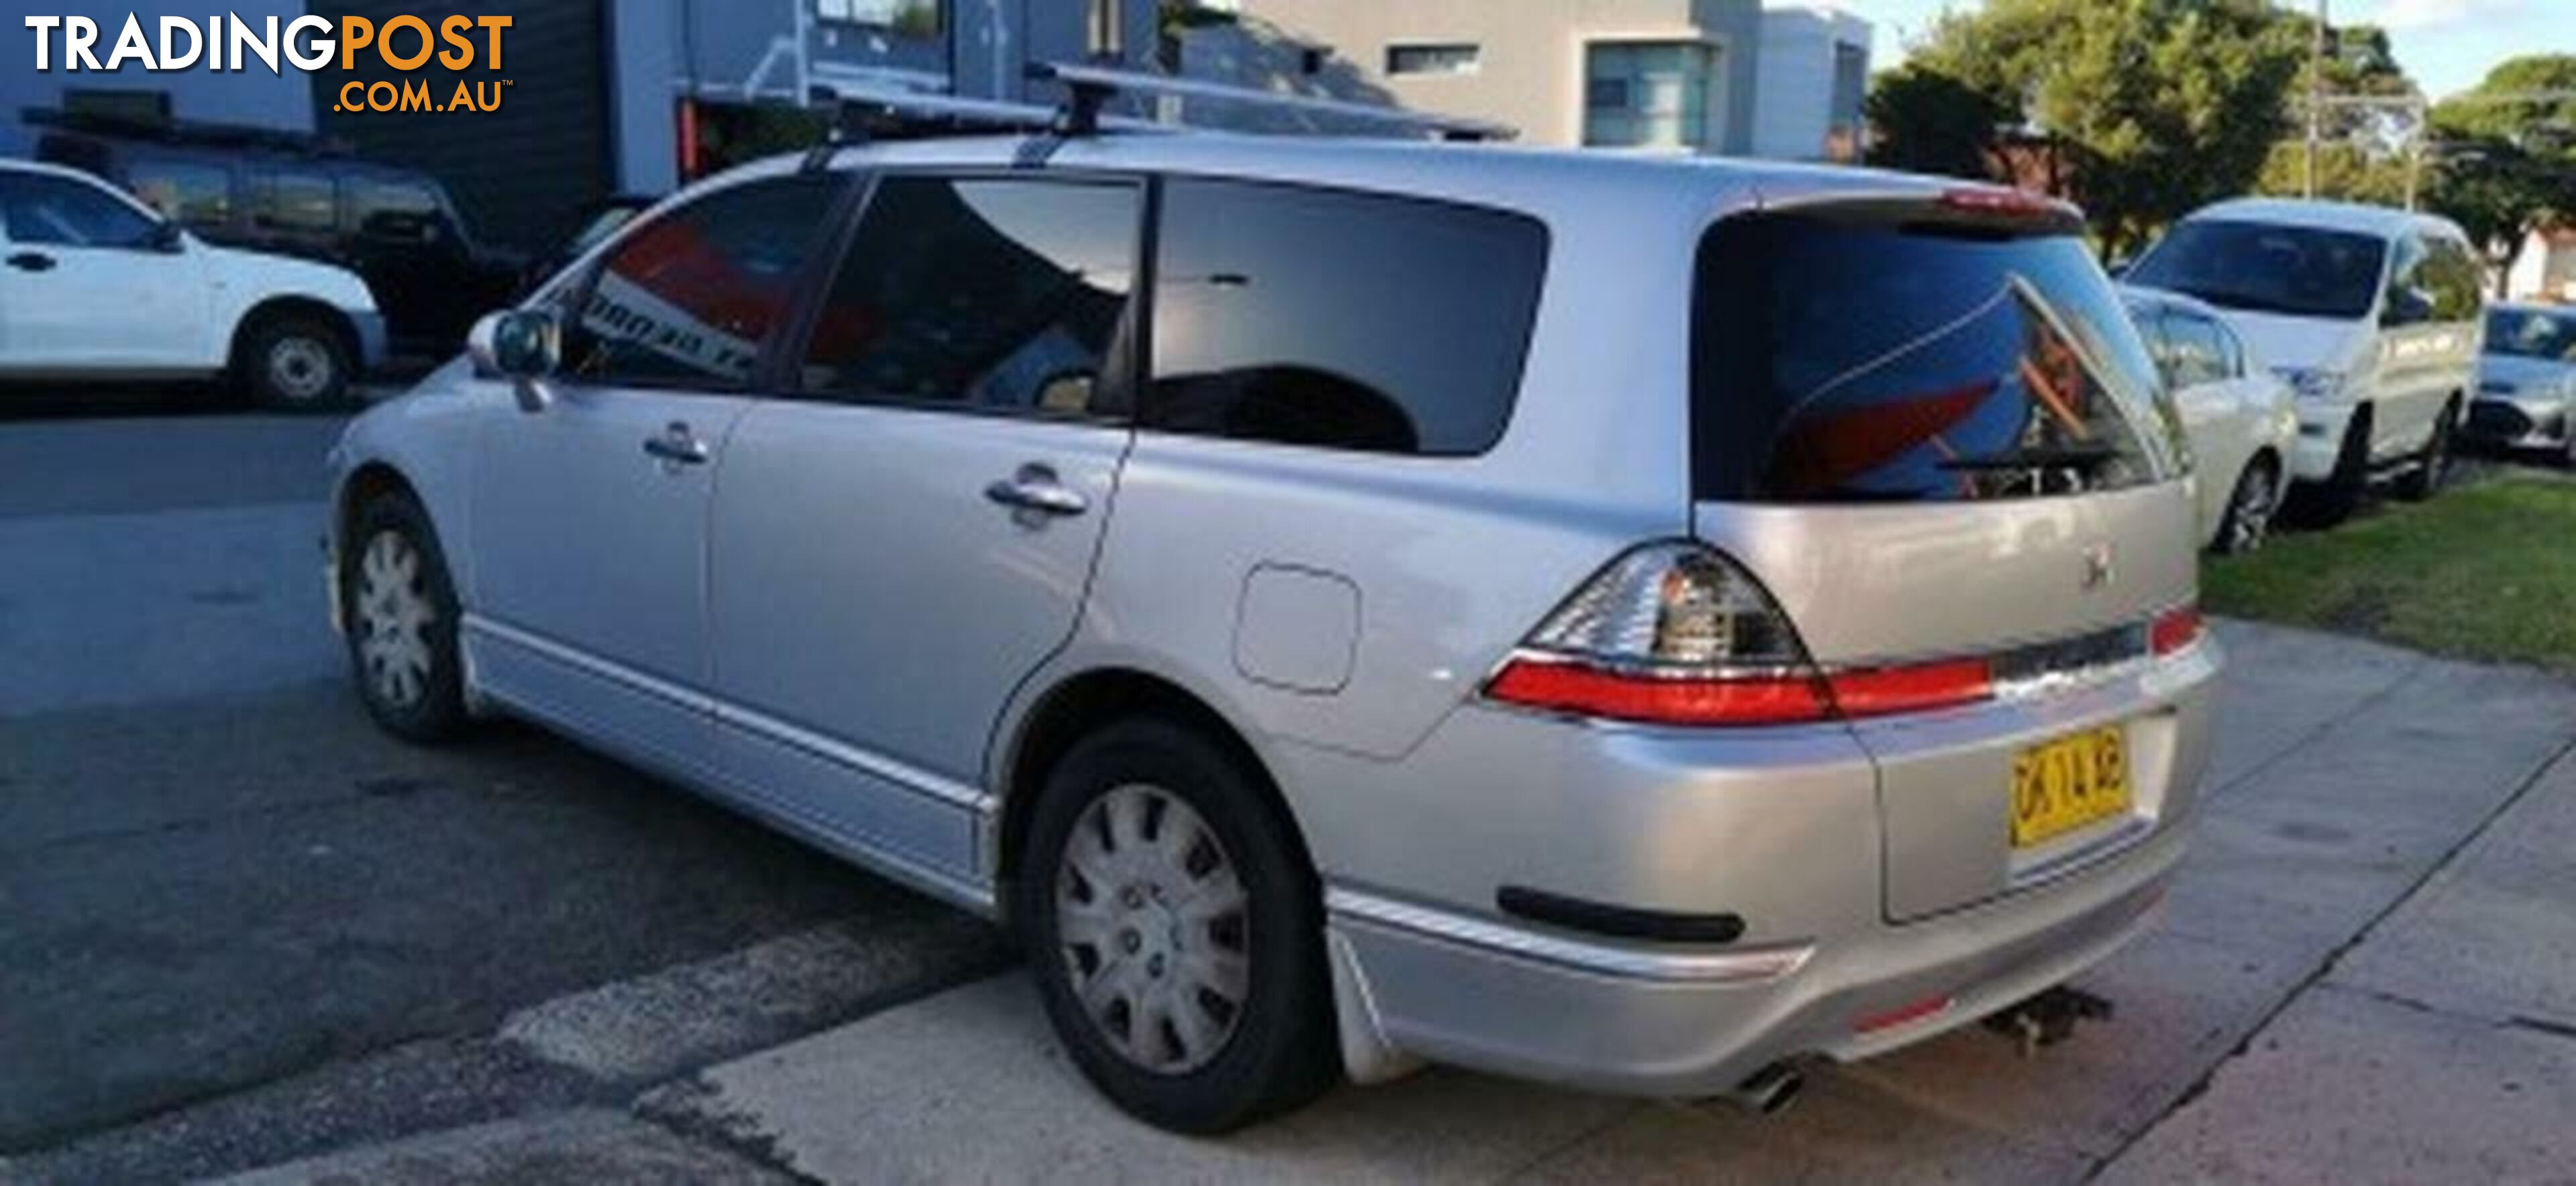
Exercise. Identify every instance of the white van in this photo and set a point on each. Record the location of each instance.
(2371, 314)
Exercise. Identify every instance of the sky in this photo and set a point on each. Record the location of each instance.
(2447, 45)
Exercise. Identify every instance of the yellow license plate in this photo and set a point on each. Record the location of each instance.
(2062, 785)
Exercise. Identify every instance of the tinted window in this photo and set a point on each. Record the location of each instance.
(993, 294)
(59, 211)
(295, 201)
(1341, 320)
(185, 191)
(687, 299)
(396, 210)
(1842, 360)
(2263, 268)
(2530, 333)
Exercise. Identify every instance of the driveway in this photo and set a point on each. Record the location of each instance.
(2367, 973)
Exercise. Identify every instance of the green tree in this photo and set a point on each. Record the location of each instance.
(2156, 106)
(2508, 153)
(1924, 121)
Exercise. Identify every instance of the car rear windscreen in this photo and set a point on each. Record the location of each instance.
(2257, 267)
(1845, 359)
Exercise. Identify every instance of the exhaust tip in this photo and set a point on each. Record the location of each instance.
(1769, 1091)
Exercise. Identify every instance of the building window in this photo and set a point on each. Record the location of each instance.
(909, 18)
(1431, 59)
(1108, 38)
(1649, 94)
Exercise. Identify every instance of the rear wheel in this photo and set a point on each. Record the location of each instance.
(2248, 522)
(1175, 931)
(294, 362)
(2425, 480)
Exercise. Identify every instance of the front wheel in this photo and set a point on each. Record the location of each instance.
(400, 614)
(1175, 931)
(294, 362)
(2248, 521)
(2434, 462)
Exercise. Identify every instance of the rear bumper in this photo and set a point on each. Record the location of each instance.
(1843, 929)
(1693, 1026)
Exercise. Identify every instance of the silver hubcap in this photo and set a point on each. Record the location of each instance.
(1155, 929)
(394, 616)
(2253, 517)
(300, 368)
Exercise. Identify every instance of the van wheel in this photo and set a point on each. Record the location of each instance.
(1175, 931)
(2329, 503)
(400, 614)
(2425, 480)
(2248, 521)
(294, 362)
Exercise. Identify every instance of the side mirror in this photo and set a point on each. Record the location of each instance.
(523, 345)
(2407, 306)
(168, 238)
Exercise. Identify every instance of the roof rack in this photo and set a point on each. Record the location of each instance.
(1089, 88)
(186, 132)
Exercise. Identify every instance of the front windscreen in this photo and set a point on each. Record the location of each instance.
(2532, 333)
(1846, 360)
(2259, 267)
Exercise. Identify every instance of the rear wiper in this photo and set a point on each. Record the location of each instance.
(2083, 458)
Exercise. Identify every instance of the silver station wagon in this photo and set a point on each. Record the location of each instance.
(1623, 622)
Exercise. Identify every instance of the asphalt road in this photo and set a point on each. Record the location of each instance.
(218, 882)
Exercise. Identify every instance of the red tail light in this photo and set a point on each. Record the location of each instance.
(1662, 700)
(1676, 634)
(2176, 629)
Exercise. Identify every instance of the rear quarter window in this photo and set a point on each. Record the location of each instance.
(1842, 359)
(1340, 320)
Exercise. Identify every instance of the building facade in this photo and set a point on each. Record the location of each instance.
(1813, 79)
(1692, 76)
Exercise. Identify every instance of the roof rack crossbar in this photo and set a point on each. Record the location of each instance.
(1088, 87)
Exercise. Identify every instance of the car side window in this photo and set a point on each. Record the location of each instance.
(396, 212)
(2408, 303)
(2231, 351)
(2198, 355)
(2151, 330)
(295, 200)
(995, 294)
(1340, 320)
(48, 211)
(2453, 276)
(190, 192)
(688, 299)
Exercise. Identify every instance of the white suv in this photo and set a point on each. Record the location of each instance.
(2372, 315)
(94, 285)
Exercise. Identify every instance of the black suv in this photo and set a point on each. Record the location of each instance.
(303, 196)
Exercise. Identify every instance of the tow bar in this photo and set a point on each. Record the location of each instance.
(2049, 1018)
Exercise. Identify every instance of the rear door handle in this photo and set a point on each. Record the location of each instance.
(1035, 489)
(677, 445)
(32, 261)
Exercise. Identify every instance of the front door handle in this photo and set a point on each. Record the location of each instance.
(32, 261)
(1035, 490)
(677, 445)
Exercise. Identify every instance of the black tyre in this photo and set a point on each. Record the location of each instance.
(399, 614)
(2434, 462)
(2250, 507)
(295, 362)
(1176, 931)
(2329, 503)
